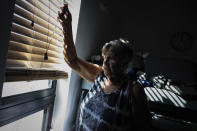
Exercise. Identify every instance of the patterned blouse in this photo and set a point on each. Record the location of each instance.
(107, 112)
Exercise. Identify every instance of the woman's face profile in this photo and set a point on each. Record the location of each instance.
(112, 66)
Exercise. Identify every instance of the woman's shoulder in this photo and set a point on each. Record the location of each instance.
(100, 76)
(133, 89)
(97, 85)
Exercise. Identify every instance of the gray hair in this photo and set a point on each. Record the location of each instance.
(122, 48)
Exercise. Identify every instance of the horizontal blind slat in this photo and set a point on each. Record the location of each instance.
(44, 8)
(36, 35)
(39, 12)
(50, 4)
(31, 57)
(27, 75)
(16, 46)
(27, 23)
(34, 42)
(32, 17)
(56, 3)
(22, 64)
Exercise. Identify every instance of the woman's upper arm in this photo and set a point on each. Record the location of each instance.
(87, 70)
(140, 106)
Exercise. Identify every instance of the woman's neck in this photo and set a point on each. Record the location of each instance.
(117, 82)
(109, 86)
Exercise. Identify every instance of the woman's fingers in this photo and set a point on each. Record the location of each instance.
(58, 17)
(66, 11)
(61, 16)
(65, 8)
(64, 15)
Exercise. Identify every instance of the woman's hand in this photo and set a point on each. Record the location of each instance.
(65, 19)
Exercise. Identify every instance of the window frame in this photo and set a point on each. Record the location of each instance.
(15, 107)
(19, 106)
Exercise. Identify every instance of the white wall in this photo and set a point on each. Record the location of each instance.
(14, 88)
(32, 122)
(60, 107)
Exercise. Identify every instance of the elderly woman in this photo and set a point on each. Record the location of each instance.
(115, 102)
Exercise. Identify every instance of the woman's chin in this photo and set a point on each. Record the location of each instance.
(107, 74)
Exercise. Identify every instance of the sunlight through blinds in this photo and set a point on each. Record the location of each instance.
(36, 42)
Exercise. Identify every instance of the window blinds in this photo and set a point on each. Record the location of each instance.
(36, 42)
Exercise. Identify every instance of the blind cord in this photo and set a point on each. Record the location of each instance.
(32, 24)
(48, 41)
(46, 54)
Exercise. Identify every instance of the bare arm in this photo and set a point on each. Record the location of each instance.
(85, 69)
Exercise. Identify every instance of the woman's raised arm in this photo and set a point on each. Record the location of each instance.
(85, 69)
